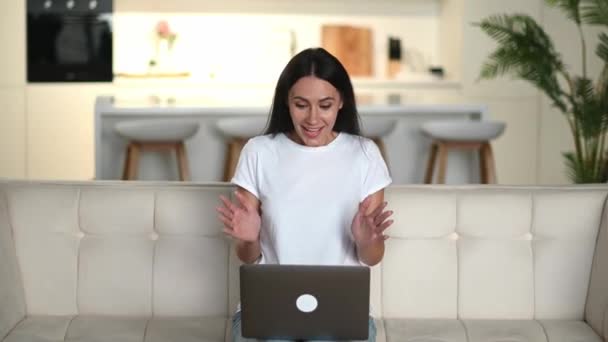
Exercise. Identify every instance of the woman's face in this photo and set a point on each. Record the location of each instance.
(313, 106)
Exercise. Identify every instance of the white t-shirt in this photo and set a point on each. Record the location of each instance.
(309, 195)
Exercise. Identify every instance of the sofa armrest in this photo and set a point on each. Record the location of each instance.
(596, 308)
(12, 302)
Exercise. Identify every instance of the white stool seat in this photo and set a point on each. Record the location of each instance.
(377, 127)
(241, 127)
(157, 130)
(462, 130)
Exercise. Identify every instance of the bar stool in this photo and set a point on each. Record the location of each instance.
(376, 128)
(161, 134)
(469, 135)
(237, 131)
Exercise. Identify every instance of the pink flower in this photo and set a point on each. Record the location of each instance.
(162, 29)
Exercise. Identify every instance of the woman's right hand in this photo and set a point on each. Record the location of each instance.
(241, 220)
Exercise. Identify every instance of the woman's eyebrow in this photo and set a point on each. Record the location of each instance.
(300, 98)
(328, 98)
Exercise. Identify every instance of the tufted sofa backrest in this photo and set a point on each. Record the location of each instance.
(490, 253)
(143, 249)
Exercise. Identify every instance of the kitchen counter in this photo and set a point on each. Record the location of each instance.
(407, 148)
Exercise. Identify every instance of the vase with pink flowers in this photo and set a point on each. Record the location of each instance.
(164, 40)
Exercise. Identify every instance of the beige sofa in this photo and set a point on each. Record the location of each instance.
(99, 261)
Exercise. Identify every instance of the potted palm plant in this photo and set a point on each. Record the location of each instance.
(525, 51)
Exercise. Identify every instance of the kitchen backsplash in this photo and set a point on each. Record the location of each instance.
(255, 47)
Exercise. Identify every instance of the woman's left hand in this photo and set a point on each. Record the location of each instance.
(369, 228)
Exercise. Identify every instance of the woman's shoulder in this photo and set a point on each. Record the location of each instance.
(358, 141)
(261, 143)
(362, 147)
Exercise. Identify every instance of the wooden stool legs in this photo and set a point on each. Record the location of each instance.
(131, 161)
(380, 143)
(439, 149)
(182, 162)
(486, 164)
(430, 166)
(233, 151)
(134, 148)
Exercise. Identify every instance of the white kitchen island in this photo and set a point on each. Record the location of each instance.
(407, 149)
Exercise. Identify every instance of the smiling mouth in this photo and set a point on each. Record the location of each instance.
(312, 130)
(312, 133)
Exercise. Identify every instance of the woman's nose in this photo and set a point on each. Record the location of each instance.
(313, 115)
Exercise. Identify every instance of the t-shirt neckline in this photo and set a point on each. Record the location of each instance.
(331, 144)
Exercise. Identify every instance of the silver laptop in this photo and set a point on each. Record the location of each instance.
(299, 302)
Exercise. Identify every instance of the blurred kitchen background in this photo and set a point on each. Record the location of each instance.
(229, 54)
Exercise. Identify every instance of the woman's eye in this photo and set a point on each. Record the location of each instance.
(325, 106)
(300, 105)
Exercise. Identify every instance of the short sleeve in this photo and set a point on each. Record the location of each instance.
(376, 174)
(246, 172)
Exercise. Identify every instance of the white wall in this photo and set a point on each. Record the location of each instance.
(12, 92)
(255, 47)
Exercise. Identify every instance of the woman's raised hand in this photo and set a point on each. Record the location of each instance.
(369, 228)
(241, 220)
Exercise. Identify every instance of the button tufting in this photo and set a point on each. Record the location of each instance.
(454, 236)
(528, 236)
(153, 236)
(80, 235)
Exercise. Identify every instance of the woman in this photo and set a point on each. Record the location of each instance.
(310, 190)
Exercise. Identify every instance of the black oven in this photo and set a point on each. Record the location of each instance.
(69, 40)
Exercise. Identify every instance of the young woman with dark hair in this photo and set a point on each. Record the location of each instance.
(311, 189)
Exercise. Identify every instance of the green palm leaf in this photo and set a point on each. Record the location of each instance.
(595, 12)
(574, 168)
(601, 88)
(525, 51)
(602, 47)
(587, 110)
(571, 7)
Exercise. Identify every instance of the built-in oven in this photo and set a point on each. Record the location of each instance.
(69, 40)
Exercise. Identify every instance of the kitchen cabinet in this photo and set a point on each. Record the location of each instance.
(12, 42)
(60, 130)
(12, 132)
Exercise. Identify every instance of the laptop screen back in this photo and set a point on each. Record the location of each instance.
(305, 302)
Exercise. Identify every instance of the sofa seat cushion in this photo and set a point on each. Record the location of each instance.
(117, 329)
(442, 330)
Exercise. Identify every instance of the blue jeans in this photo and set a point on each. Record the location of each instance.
(237, 336)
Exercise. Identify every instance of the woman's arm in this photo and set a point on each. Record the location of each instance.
(368, 227)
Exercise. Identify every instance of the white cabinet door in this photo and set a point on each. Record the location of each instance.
(476, 46)
(12, 132)
(60, 130)
(12, 42)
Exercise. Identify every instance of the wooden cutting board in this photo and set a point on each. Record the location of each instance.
(353, 46)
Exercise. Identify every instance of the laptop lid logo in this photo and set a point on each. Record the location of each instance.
(307, 303)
